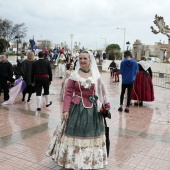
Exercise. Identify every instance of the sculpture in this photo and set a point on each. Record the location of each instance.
(160, 23)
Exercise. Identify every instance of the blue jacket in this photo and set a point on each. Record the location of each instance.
(128, 70)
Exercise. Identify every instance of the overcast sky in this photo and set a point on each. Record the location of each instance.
(90, 21)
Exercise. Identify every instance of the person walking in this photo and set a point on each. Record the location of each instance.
(41, 77)
(19, 65)
(61, 67)
(128, 70)
(116, 73)
(112, 67)
(69, 61)
(6, 74)
(79, 142)
(26, 69)
(143, 87)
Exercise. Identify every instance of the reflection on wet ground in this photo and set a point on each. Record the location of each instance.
(139, 139)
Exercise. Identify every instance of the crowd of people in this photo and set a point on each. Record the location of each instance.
(35, 74)
(79, 141)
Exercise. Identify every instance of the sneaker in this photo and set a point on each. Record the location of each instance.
(120, 109)
(126, 110)
(23, 101)
(38, 109)
(50, 103)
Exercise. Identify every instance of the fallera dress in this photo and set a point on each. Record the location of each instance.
(143, 87)
(80, 142)
(61, 67)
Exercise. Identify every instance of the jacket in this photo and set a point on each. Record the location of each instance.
(128, 70)
(6, 71)
(75, 93)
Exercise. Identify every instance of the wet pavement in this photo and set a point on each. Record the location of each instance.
(140, 140)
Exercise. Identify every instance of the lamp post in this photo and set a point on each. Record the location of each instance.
(71, 37)
(127, 44)
(17, 37)
(124, 31)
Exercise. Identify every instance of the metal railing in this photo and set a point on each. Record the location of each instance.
(161, 80)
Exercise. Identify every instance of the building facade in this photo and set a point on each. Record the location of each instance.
(157, 50)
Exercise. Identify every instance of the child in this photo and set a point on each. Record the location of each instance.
(116, 73)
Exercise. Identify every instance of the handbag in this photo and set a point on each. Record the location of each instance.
(107, 137)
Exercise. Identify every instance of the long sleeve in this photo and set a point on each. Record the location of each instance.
(102, 94)
(150, 71)
(68, 95)
(112, 65)
(50, 72)
(121, 68)
(10, 72)
(137, 68)
(23, 68)
(32, 73)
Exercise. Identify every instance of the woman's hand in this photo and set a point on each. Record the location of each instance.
(65, 116)
(107, 106)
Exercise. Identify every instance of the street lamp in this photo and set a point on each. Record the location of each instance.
(124, 30)
(17, 37)
(71, 36)
(127, 44)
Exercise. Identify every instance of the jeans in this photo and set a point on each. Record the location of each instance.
(129, 91)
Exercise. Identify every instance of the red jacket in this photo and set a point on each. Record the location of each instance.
(75, 92)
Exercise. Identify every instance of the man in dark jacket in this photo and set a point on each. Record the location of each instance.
(112, 66)
(6, 74)
(41, 77)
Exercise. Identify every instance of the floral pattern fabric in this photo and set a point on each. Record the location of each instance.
(77, 153)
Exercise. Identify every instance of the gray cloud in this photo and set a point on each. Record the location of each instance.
(88, 20)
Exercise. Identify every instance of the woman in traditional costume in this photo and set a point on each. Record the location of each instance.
(79, 142)
(69, 61)
(61, 68)
(143, 86)
(26, 74)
